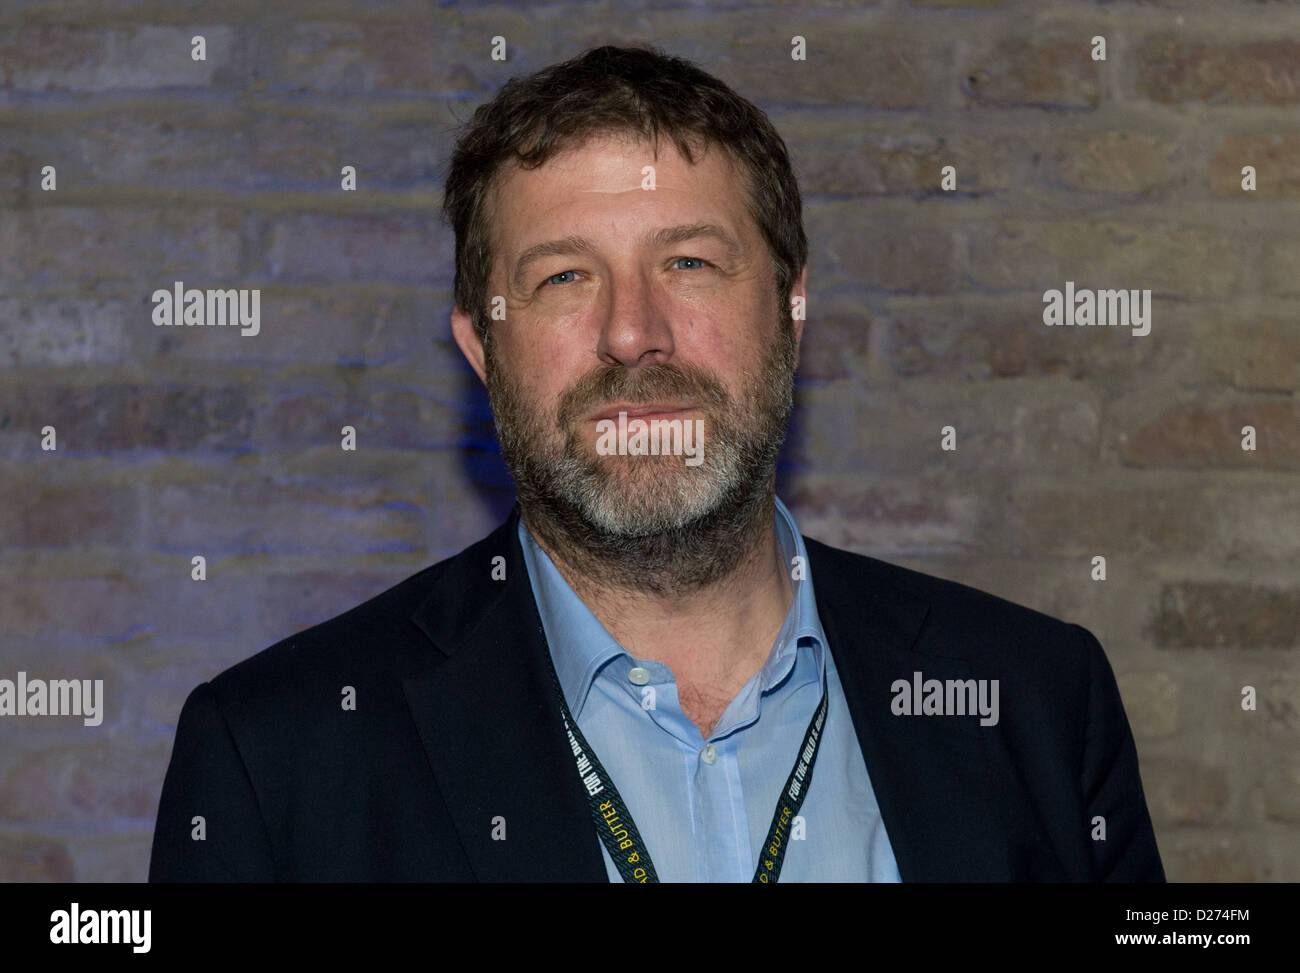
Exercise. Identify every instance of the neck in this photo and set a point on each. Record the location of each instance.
(713, 627)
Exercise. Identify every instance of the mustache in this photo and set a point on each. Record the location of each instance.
(616, 383)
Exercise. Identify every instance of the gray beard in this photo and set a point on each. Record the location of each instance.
(636, 529)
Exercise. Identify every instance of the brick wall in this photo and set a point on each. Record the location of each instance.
(925, 311)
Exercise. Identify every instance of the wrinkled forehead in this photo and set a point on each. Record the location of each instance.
(720, 179)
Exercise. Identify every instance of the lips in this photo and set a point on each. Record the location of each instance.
(642, 410)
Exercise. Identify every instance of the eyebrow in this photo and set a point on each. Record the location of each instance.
(571, 245)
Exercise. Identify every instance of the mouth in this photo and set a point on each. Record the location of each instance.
(645, 411)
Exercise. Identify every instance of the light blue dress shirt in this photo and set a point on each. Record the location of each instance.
(704, 806)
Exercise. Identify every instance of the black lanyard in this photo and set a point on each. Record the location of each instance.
(618, 831)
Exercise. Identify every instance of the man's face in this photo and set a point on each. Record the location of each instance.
(659, 302)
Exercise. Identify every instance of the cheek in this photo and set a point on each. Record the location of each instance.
(543, 368)
(726, 340)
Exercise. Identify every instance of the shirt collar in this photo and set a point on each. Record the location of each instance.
(581, 646)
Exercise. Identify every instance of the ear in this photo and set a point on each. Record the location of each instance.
(467, 339)
(799, 289)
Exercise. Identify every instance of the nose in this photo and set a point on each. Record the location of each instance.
(635, 330)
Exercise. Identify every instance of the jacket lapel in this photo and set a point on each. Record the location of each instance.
(931, 775)
(490, 723)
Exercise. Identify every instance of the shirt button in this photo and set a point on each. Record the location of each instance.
(709, 753)
(638, 676)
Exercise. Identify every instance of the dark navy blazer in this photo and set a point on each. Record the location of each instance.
(456, 730)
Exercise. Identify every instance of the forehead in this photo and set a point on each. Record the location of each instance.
(601, 184)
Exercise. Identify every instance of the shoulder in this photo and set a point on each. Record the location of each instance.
(1052, 675)
(375, 644)
(960, 620)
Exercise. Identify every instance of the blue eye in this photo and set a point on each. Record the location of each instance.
(696, 259)
(552, 280)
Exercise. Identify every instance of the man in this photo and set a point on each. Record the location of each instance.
(634, 678)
